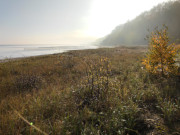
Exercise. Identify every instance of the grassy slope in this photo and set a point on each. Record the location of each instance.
(102, 91)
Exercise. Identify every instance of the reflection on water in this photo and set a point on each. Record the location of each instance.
(15, 51)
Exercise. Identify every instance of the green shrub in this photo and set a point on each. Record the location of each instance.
(169, 109)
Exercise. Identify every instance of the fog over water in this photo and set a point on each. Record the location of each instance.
(16, 51)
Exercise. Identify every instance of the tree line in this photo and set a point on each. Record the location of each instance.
(133, 32)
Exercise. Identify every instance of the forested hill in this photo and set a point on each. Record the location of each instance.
(134, 31)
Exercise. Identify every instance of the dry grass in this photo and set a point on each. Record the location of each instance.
(102, 91)
(178, 46)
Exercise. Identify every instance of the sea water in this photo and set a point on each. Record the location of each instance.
(16, 51)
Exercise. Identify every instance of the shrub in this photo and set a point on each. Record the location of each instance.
(161, 56)
(95, 88)
(27, 82)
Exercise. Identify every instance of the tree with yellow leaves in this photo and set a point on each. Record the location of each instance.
(161, 56)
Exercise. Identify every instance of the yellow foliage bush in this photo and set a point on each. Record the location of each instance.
(161, 56)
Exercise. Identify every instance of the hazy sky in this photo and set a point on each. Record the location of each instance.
(65, 21)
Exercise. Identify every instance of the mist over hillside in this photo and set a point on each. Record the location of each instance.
(133, 32)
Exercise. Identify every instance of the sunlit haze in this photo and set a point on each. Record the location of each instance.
(65, 21)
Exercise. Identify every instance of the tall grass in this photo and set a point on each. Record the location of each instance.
(102, 91)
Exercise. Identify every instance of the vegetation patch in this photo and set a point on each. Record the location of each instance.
(102, 91)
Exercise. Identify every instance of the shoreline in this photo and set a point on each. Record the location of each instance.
(25, 53)
(41, 55)
(121, 47)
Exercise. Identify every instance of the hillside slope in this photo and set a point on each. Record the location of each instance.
(134, 32)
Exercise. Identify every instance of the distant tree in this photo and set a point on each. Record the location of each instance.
(161, 56)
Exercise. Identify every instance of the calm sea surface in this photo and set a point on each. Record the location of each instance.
(16, 51)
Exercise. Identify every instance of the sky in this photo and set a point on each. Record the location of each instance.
(68, 22)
